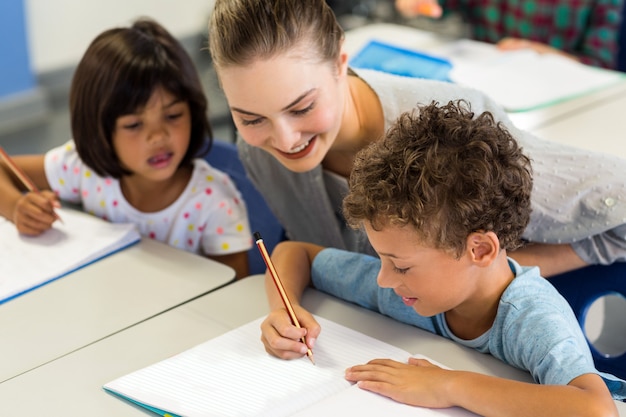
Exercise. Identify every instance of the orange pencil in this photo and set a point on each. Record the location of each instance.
(21, 175)
(280, 288)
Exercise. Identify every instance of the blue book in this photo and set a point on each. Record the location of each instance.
(384, 57)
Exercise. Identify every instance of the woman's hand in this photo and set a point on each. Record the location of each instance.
(513, 44)
(413, 8)
(282, 339)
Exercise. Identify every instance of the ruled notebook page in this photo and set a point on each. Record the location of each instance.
(27, 262)
(232, 375)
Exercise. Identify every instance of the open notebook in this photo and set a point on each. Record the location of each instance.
(28, 262)
(232, 375)
(519, 80)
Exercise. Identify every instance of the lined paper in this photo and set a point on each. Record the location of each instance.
(523, 80)
(27, 262)
(232, 375)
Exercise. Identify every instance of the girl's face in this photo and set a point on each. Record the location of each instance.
(289, 105)
(153, 141)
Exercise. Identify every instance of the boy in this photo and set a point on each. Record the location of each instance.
(442, 198)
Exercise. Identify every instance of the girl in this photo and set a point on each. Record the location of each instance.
(138, 118)
(303, 115)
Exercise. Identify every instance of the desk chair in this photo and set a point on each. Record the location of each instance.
(584, 286)
(224, 156)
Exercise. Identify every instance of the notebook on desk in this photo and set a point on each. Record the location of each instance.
(232, 375)
(384, 57)
(519, 80)
(28, 262)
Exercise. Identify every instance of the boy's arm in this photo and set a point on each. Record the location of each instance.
(422, 384)
(281, 338)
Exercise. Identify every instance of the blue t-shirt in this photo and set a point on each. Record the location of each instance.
(535, 328)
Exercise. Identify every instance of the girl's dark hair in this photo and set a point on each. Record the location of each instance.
(117, 75)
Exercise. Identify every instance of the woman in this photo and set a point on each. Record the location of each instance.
(303, 115)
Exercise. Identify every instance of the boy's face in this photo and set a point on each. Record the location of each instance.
(429, 280)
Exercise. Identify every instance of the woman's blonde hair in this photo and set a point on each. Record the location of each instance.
(241, 31)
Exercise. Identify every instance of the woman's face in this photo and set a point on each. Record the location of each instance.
(289, 105)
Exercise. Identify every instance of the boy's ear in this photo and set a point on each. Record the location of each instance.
(483, 247)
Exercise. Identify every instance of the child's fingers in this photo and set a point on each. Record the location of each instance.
(281, 338)
(34, 213)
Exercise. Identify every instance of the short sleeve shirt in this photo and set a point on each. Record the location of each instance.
(208, 218)
(535, 329)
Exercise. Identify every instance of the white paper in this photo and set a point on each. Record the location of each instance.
(522, 80)
(232, 375)
(77, 240)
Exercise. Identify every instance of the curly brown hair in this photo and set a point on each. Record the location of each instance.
(446, 173)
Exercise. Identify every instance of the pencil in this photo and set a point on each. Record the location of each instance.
(280, 288)
(21, 175)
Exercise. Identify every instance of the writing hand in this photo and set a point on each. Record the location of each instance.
(412, 8)
(34, 212)
(417, 382)
(282, 339)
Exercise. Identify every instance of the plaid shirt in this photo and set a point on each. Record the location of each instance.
(588, 29)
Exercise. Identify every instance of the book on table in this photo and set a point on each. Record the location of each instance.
(521, 80)
(28, 262)
(232, 375)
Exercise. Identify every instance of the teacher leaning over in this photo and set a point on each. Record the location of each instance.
(303, 114)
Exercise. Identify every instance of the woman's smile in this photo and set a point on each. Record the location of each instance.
(300, 151)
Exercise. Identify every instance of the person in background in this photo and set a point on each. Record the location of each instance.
(443, 197)
(139, 123)
(586, 30)
(302, 115)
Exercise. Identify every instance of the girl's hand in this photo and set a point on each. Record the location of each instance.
(412, 8)
(282, 339)
(417, 382)
(34, 212)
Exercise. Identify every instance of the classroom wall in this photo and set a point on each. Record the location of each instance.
(59, 31)
(43, 40)
(19, 93)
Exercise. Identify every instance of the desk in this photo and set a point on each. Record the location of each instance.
(72, 385)
(593, 121)
(99, 300)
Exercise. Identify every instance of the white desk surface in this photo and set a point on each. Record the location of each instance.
(99, 300)
(72, 385)
(591, 121)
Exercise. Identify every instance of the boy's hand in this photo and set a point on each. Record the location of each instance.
(418, 382)
(282, 339)
(413, 8)
(34, 212)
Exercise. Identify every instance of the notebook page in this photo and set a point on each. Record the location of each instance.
(232, 375)
(523, 80)
(374, 405)
(30, 261)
